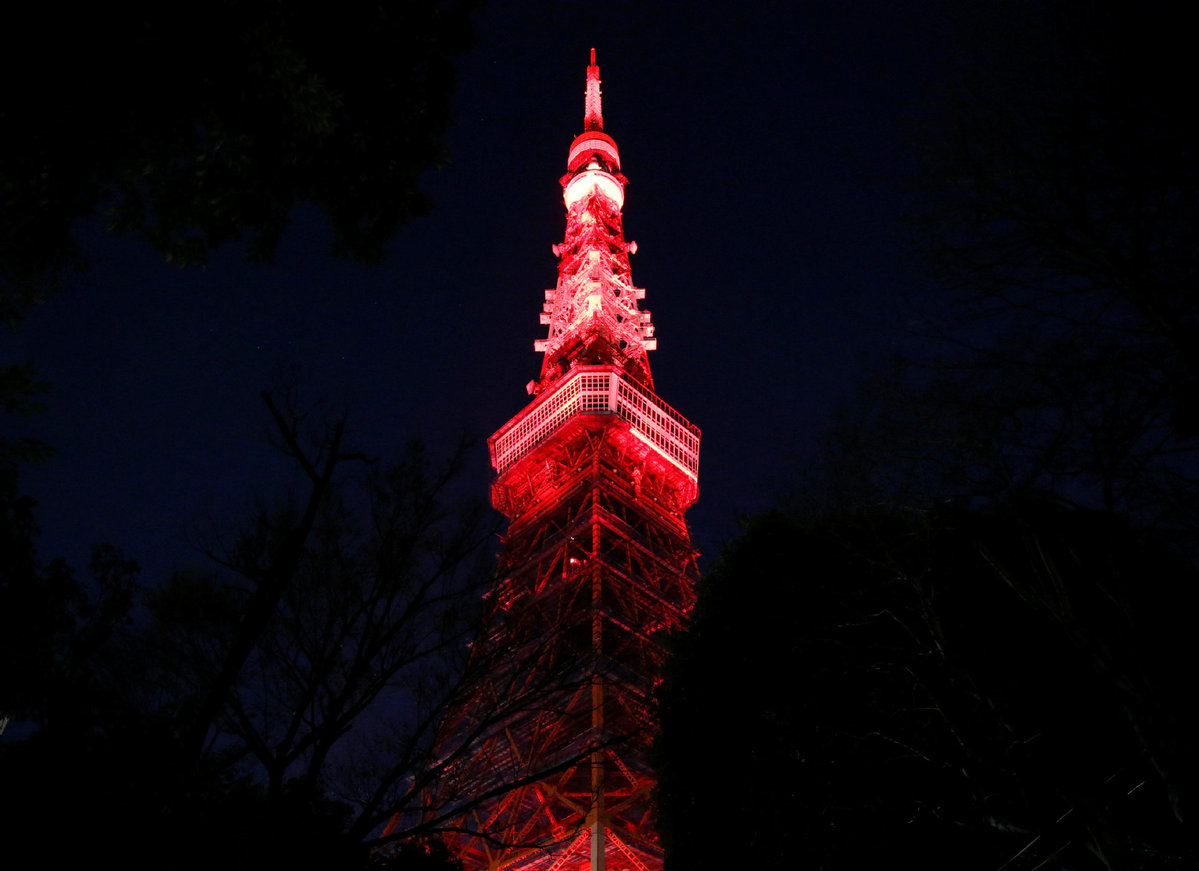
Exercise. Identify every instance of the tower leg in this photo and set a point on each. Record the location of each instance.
(597, 845)
(598, 842)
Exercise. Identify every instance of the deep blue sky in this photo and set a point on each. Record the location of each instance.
(762, 144)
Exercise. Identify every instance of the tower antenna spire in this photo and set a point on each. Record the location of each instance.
(593, 110)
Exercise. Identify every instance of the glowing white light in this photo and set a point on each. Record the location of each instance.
(584, 183)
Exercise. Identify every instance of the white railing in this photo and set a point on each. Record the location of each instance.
(599, 390)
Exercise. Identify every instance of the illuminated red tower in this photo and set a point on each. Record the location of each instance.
(597, 564)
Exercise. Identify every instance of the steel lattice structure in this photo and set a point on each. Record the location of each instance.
(594, 475)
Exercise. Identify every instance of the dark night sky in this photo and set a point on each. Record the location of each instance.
(761, 141)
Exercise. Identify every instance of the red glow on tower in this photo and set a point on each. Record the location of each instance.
(594, 476)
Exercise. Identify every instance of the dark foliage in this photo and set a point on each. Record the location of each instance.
(952, 663)
(195, 130)
(57, 665)
(272, 712)
(942, 691)
(417, 855)
(1058, 190)
(1060, 176)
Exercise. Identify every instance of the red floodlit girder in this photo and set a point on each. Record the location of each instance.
(545, 756)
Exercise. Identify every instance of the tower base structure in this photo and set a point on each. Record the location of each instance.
(595, 568)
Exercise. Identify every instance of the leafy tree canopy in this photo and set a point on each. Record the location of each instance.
(195, 130)
(949, 690)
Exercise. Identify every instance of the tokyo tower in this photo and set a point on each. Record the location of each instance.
(596, 566)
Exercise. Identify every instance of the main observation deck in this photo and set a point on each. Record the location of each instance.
(599, 390)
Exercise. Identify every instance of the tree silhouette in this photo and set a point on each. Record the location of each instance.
(1059, 179)
(971, 688)
(194, 131)
(283, 704)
